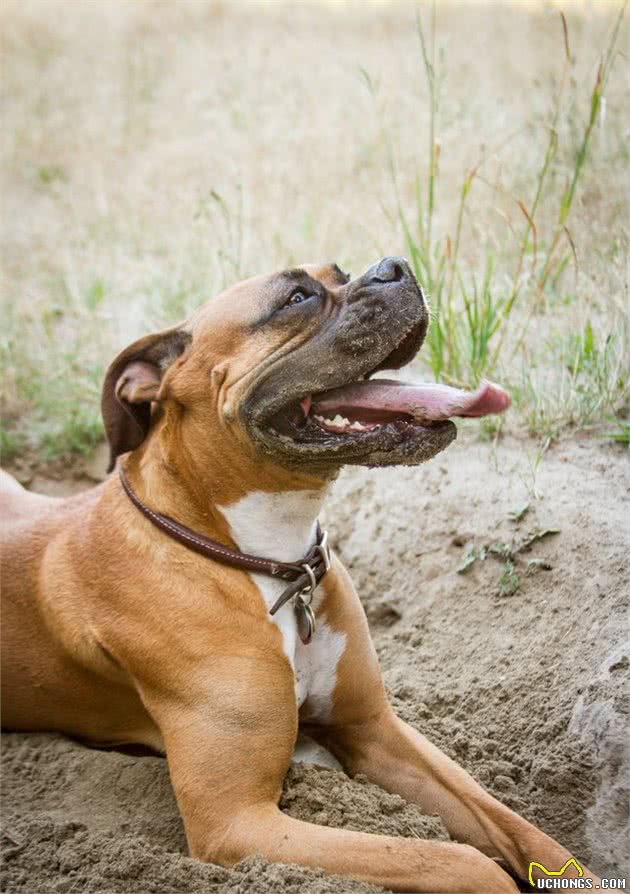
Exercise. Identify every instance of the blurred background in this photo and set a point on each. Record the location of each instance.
(155, 151)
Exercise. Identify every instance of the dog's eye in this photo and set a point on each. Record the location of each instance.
(298, 297)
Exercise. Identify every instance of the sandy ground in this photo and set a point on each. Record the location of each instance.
(528, 691)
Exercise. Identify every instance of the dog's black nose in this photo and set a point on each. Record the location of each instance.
(389, 270)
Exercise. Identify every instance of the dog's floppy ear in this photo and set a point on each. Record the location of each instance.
(131, 383)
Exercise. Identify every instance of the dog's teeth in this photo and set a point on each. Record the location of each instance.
(341, 423)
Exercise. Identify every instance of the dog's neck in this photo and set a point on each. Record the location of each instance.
(217, 501)
(278, 526)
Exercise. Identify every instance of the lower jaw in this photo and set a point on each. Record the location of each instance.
(389, 444)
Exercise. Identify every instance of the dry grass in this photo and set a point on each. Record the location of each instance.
(154, 152)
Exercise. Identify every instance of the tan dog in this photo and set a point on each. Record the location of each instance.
(237, 422)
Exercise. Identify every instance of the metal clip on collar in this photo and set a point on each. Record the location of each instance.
(302, 589)
(324, 550)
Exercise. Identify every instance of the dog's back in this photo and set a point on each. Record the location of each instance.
(31, 525)
(18, 504)
(21, 545)
(24, 530)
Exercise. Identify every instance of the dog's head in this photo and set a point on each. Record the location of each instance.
(280, 366)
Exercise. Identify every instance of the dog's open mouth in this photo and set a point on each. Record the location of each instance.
(369, 405)
(371, 421)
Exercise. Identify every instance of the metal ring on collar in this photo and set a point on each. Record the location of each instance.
(324, 551)
(312, 584)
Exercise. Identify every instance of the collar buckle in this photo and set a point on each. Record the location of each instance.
(324, 550)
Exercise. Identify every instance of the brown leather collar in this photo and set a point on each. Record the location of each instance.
(304, 576)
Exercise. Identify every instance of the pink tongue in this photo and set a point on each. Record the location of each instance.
(431, 402)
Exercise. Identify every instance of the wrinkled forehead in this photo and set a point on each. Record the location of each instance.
(253, 299)
(329, 275)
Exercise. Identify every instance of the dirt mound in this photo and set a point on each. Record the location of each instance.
(518, 669)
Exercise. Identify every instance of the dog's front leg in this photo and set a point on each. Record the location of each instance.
(229, 735)
(364, 733)
(394, 755)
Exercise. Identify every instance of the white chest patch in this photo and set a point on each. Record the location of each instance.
(282, 526)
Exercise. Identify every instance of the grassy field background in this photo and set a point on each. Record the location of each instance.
(154, 152)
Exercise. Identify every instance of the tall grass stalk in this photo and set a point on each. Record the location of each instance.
(473, 315)
(566, 202)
